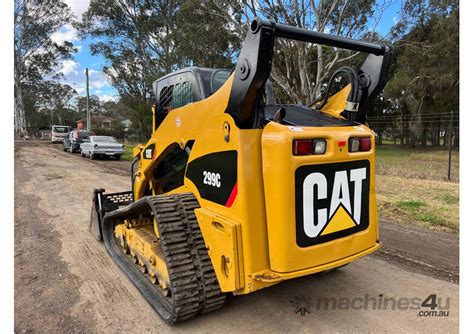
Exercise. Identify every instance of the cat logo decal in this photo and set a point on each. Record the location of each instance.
(332, 201)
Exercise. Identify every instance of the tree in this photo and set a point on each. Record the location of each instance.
(36, 54)
(425, 82)
(56, 99)
(300, 69)
(143, 40)
(129, 31)
(95, 105)
(203, 39)
(111, 108)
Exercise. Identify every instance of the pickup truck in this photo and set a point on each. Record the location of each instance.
(58, 133)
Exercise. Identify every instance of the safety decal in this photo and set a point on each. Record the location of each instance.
(149, 151)
(332, 201)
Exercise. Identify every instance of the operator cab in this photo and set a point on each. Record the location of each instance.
(192, 84)
(186, 86)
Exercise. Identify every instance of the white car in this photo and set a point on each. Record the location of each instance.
(102, 146)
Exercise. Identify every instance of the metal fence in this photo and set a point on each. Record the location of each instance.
(422, 146)
(420, 163)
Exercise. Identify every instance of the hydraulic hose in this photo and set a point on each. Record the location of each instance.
(353, 79)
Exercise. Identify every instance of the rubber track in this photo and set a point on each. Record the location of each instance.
(194, 286)
(211, 297)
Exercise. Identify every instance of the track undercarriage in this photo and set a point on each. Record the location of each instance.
(158, 244)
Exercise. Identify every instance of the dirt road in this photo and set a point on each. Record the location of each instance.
(65, 281)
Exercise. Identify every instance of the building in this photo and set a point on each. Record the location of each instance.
(97, 122)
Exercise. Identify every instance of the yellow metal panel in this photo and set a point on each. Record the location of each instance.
(279, 166)
(337, 103)
(180, 126)
(274, 277)
(249, 205)
(223, 240)
(137, 149)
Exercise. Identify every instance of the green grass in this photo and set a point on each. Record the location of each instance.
(128, 155)
(430, 203)
(417, 210)
(449, 199)
(430, 218)
(410, 204)
(412, 186)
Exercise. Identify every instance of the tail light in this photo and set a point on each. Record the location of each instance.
(360, 144)
(309, 146)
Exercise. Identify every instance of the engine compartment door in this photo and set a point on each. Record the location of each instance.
(319, 208)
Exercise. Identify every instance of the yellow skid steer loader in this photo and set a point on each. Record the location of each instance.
(233, 192)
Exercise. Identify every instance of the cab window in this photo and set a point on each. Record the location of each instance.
(182, 95)
(166, 97)
(174, 92)
(164, 104)
(218, 79)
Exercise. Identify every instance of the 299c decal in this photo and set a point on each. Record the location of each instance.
(332, 201)
(212, 179)
(215, 176)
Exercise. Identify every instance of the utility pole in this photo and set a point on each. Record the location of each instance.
(87, 101)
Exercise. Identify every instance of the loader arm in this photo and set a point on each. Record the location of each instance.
(255, 63)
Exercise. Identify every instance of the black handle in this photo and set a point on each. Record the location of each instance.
(299, 34)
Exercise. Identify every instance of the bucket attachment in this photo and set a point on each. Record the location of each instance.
(104, 203)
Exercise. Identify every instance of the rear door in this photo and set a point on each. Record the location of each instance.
(320, 208)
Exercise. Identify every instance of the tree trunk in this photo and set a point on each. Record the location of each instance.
(435, 135)
(403, 131)
(379, 137)
(438, 135)
(60, 117)
(20, 122)
(423, 136)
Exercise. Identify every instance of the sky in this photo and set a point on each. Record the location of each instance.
(74, 69)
